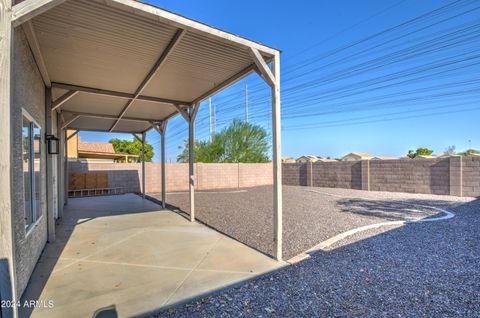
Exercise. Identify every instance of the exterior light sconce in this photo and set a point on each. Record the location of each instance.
(53, 144)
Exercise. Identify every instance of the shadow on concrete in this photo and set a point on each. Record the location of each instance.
(77, 212)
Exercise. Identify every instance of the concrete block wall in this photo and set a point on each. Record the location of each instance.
(430, 176)
(346, 174)
(471, 176)
(209, 176)
(456, 176)
(295, 174)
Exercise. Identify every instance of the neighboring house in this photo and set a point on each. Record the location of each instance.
(357, 156)
(95, 151)
(308, 158)
(384, 158)
(425, 157)
(288, 160)
(326, 160)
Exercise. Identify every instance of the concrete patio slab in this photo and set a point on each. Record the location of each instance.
(125, 253)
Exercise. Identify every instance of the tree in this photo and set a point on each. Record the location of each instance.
(470, 152)
(419, 152)
(239, 142)
(132, 148)
(451, 150)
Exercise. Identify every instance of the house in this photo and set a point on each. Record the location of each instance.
(118, 66)
(95, 151)
(425, 157)
(384, 158)
(288, 160)
(357, 156)
(308, 158)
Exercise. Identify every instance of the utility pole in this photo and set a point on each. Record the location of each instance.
(210, 118)
(214, 119)
(246, 104)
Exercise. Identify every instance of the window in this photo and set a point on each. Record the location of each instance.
(31, 160)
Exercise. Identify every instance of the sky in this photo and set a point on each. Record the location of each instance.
(376, 76)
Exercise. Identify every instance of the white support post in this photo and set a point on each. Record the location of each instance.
(49, 164)
(191, 159)
(144, 136)
(60, 170)
(8, 285)
(65, 169)
(277, 159)
(164, 191)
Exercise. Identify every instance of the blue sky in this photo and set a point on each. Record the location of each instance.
(344, 89)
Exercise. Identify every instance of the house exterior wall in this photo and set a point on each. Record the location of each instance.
(29, 94)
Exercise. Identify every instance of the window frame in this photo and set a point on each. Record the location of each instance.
(36, 216)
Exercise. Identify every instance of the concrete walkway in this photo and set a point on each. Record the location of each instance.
(123, 253)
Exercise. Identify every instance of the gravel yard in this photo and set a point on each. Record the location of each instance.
(417, 270)
(308, 217)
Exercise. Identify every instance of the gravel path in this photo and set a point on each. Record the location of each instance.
(308, 217)
(417, 270)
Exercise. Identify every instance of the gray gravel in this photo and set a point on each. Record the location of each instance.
(309, 218)
(417, 270)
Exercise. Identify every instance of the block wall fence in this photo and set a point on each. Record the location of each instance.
(208, 175)
(456, 176)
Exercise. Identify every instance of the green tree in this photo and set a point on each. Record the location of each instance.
(419, 152)
(239, 142)
(470, 152)
(451, 150)
(132, 148)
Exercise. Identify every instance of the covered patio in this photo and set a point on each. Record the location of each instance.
(126, 255)
(127, 67)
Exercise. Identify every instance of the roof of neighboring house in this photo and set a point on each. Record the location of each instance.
(99, 150)
(362, 155)
(97, 147)
(384, 158)
(310, 157)
(326, 160)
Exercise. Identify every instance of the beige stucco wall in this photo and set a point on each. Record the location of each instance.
(29, 94)
(72, 144)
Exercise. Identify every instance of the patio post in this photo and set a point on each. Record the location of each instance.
(277, 162)
(163, 130)
(49, 164)
(144, 136)
(191, 158)
(272, 78)
(65, 168)
(7, 253)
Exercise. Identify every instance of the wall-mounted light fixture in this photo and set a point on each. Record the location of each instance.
(53, 144)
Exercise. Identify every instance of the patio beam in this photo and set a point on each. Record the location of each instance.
(63, 99)
(92, 115)
(223, 85)
(160, 62)
(36, 52)
(29, 9)
(70, 121)
(8, 286)
(104, 92)
(262, 67)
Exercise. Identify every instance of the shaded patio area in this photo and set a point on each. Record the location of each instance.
(126, 255)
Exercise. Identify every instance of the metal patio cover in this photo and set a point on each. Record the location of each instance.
(121, 65)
